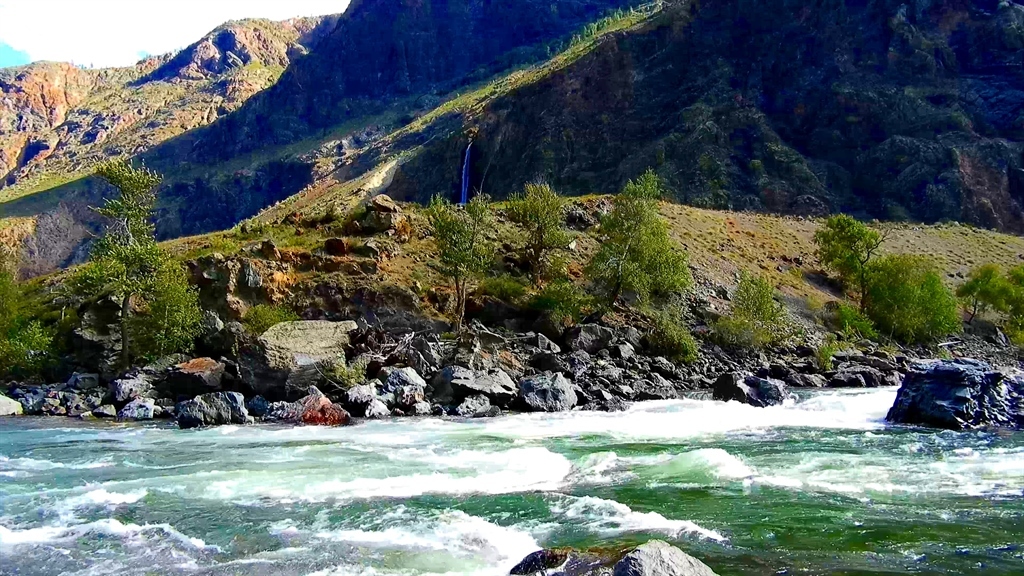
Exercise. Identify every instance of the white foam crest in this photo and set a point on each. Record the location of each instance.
(699, 466)
(107, 526)
(101, 497)
(608, 518)
(36, 465)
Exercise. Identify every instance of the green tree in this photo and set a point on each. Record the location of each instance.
(539, 211)
(465, 251)
(25, 344)
(636, 251)
(171, 318)
(907, 300)
(758, 319)
(128, 264)
(847, 246)
(985, 289)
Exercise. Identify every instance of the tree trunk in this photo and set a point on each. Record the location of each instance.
(126, 310)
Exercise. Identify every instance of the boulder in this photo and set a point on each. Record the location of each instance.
(589, 338)
(959, 395)
(376, 410)
(83, 381)
(420, 409)
(549, 362)
(658, 558)
(476, 406)
(860, 376)
(283, 412)
(257, 406)
(409, 395)
(9, 407)
(138, 385)
(798, 380)
(358, 399)
(456, 383)
(401, 378)
(544, 344)
(194, 378)
(546, 393)
(212, 409)
(540, 562)
(76, 404)
(138, 409)
(318, 410)
(623, 351)
(748, 389)
(283, 363)
(105, 411)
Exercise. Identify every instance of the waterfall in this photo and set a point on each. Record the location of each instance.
(465, 174)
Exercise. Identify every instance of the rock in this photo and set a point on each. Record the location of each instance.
(337, 247)
(547, 393)
(257, 406)
(658, 558)
(455, 383)
(283, 412)
(421, 409)
(282, 364)
(383, 203)
(544, 344)
(77, 404)
(589, 338)
(83, 381)
(856, 376)
(623, 351)
(540, 562)
(409, 395)
(798, 380)
(655, 388)
(9, 407)
(959, 395)
(105, 411)
(318, 410)
(358, 399)
(139, 385)
(549, 362)
(138, 409)
(663, 367)
(740, 387)
(401, 378)
(194, 378)
(212, 409)
(376, 410)
(476, 406)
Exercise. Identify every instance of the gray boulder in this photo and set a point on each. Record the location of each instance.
(798, 380)
(284, 362)
(83, 381)
(420, 409)
(358, 399)
(860, 376)
(544, 344)
(138, 409)
(748, 389)
(658, 558)
(476, 406)
(105, 411)
(456, 383)
(401, 378)
(10, 407)
(547, 393)
(959, 395)
(139, 385)
(376, 410)
(76, 404)
(589, 338)
(213, 409)
(194, 378)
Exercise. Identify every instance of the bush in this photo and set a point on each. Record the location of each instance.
(757, 320)
(172, 318)
(907, 300)
(853, 324)
(505, 288)
(262, 317)
(26, 346)
(824, 353)
(563, 300)
(671, 339)
(346, 376)
(985, 289)
(539, 213)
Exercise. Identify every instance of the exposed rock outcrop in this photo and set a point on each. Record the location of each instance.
(748, 389)
(213, 409)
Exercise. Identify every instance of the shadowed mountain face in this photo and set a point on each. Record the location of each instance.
(890, 108)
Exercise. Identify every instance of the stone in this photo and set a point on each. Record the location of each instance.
(655, 387)
(544, 344)
(546, 393)
(358, 399)
(139, 385)
(105, 411)
(337, 247)
(283, 363)
(589, 338)
(409, 395)
(861, 376)
(317, 410)
(421, 409)
(401, 378)
(659, 558)
(475, 406)
(623, 351)
(748, 389)
(383, 203)
(798, 380)
(283, 412)
(76, 404)
(9, 407)
(194, 378)
(549, 362)
(138, 409)
(257, 406)
(376, 410)
(84, 381)
(455, 383)
(212, 409)
(540, 562)
(959, 394)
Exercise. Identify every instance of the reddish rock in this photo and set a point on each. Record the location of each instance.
(320, 411)
(195, 377)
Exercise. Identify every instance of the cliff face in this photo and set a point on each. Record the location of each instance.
(893, 109)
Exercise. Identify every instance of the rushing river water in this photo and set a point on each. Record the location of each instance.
(817, 487)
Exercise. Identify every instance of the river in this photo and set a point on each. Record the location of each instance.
(819, 486)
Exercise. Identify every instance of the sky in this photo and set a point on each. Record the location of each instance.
(104, 33)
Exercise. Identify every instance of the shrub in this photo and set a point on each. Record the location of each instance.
(346, 376)
(505, 288)
(907, 300)
(671, 339)
(26, 346)
(757, 319)
(636, 251)
(985, 289)
(172, 318)
(848, 246)
(563, 300)
(824, 353)
(539, 212)
(853, 324)
(262, 317)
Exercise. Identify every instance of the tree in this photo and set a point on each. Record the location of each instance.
(465, 252)
(985, 289)
(847, 246)
(907, 300)
(25, 344)
(636, 251)
(128, 264)
(538, 210)
(758, 319)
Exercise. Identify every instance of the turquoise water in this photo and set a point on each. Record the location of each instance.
(820, 486)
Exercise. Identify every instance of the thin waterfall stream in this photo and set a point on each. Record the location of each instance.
(465, 174)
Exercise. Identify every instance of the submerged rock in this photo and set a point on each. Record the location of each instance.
(740, 387)
(959, 395)
(658, 558)
(213, 409)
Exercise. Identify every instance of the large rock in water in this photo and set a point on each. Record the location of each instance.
(10, 407)
(213, 409)
(658, 558)
(547, 393)
(740, 387)
(456, 383)
(316, 409)
(959, 395)
(194, 378)
(282, 364)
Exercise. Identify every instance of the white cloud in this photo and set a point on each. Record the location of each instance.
(116, 32)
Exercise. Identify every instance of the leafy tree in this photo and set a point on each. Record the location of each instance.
(848, 246)
(128, 264)
(25, 344)
(539, 211)
(985, 289)
(907, 300)
(465, 252)
(757, 319)
(670, 338)
(636, 251)
(171, 319)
